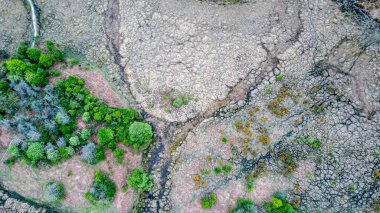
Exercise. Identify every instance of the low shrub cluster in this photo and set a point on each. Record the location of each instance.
(279, 205)
(54, 192)
(208, 201)
(139, 180)
(102, 190)
(244, 206)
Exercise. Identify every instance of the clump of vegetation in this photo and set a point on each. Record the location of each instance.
(119, 155)
(139, 180)
(244, 206)
(279, 205)
(33, 54)
(276, 107)
(54, 192)
(208, 201)
(102, 190)
(178, 102)
(139, 134)
(44, 116)
(92, 153)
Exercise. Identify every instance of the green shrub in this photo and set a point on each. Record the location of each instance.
(278, 205)
(74, 141)
(227, 168)
(53, 73)
(244, 206)
(85, 134)
(53, 155)
(86, 117)
(208, 201)
(15, 67)
(103, 189)
(38, 78)
(139, 134)
(105, 136)
(54, 192)
(14, 151)
(46, 61)
(139, 180)
(119, 154)
(33, 54)
(178, 102)
(21, 51)
(35, 152)
(217, 170)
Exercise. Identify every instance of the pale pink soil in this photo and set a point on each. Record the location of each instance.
(5, 137)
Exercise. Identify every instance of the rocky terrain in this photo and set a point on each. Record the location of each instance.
(280, 94)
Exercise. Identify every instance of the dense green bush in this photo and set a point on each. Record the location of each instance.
(35, 152)
(278, 205)
(105, 136)
(139, 134)
(33, 54)
(119, 154)
(85, 134)
(54, 192)
(208, 201)
(14, 151)
(92, 153)
(102, 190)
(244, 206)
(139, 180)
(15, 67)
(37, 78)
(46, 61)
(21, 51)
(53, 155)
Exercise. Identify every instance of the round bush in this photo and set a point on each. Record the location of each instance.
(54, 192)
(38, 78)
(46, 60)
(139, 134)
(33, 54)
(53, 155)
(140, 180)
(15, 66)
(105, 136)
(35, 152)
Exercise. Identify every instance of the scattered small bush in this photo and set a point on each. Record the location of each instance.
(139, 180)
(178, 102)
(102, 190)
(54, 192)
(208, 201)
(244, 206)
(119, 154)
